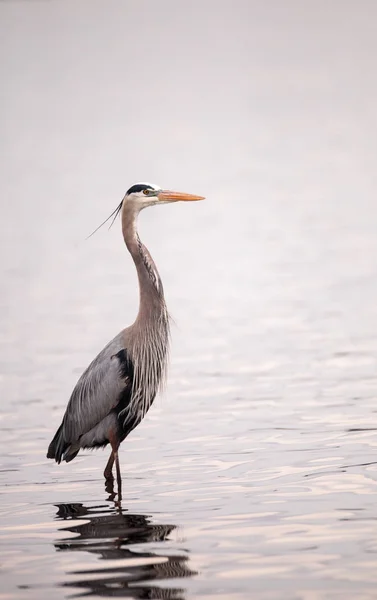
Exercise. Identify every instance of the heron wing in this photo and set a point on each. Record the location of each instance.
(98, 390)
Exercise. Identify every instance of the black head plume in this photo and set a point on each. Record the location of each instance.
(140, 187)
(114, 214)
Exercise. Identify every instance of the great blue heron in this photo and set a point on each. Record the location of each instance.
(117, 389)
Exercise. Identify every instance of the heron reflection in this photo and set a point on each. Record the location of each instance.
(111, 533)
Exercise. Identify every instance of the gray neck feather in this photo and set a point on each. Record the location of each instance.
(149, 335)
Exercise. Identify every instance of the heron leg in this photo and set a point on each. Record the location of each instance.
(114, 441)
(108, 472)
(109, 487)
(119, 477)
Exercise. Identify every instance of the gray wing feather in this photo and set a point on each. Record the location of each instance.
(96, 392)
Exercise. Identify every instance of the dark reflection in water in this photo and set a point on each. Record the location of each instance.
(110, 533)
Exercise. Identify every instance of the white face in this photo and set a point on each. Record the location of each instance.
(144, 194)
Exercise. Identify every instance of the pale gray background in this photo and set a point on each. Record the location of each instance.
(263, 450)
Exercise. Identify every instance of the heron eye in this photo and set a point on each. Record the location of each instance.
(146, 192)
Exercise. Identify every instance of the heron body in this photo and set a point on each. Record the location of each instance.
(117, 389)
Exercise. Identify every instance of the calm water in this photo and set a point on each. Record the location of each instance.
(255, 475)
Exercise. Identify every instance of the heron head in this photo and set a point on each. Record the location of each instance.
(141, 195)
(148, 194)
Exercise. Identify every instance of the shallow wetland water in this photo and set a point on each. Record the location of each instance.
(255, 475)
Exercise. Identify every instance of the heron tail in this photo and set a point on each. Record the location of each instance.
(60, 450)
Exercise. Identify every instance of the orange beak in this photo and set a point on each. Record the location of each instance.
(169, 196)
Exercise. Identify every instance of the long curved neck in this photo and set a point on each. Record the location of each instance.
(148, 339)
(152, 302)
